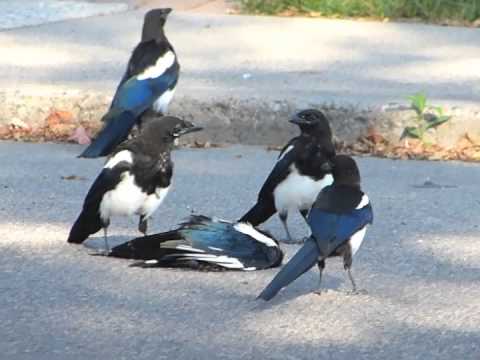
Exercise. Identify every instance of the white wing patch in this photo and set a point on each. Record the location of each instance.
(161, 104)
(282, 155)
(161, 65)
(225, 261)
(249, 230)
(188, 248)
(151, 262)
(364, 202)
(357, 239)
(124, 155)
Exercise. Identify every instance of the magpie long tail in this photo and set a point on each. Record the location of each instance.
(83, 228)
(116, 130)
(301, 262)
(259, 213)
(145, 247)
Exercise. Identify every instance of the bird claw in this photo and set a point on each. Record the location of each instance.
(101, 252)
(358, 292)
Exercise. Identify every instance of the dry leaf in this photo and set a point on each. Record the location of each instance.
(80, 136)
(374, 136)
(72, 177)
(58, 117)
(274, 148)
(18, 124)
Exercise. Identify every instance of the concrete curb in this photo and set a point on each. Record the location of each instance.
(243, 121)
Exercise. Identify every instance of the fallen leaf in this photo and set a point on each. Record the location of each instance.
(274, 148)
(18, 124)
(374, 136)
(72, 177)
(80, 136)
(4, 131)
(59, 117)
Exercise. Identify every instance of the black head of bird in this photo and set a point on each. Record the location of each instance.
(314, 123)
(345, 171)
(166, 129)
(153, 24)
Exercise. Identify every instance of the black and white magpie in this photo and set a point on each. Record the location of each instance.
(134, 180)
(207, 244)
(338, 221)
(301, 172)
(148, 83)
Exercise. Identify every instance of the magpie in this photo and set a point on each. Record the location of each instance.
(338, 221)
(134, 180)
(203, 243)
(149, 82)
(301, 171)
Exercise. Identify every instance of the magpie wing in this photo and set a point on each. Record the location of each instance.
(279, 172)
(145, 55)
(331, 230)
(107, 180)
(89, 221)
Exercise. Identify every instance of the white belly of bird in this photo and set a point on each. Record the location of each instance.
(298, 191)
(128, 199)
(161, 104)
(153, 201)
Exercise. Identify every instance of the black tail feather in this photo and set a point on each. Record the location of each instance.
(115, 131)
(301, 262)
(146, 247)
(83, 227)
(260, 212)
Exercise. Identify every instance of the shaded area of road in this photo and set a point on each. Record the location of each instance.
(420, 264)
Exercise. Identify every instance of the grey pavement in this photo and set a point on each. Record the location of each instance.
(305, 61)
(420, 264)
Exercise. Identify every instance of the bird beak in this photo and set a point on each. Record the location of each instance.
(166, 11)
(191, 129)
(295, 119)
(188, 129)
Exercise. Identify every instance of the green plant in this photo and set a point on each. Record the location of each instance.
(430, 10)
(427, 117)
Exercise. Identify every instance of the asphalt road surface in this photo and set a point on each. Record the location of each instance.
(420, 264)
(304, 61)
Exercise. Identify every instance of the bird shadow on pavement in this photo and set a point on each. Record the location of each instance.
(97, 243)
(301, 288)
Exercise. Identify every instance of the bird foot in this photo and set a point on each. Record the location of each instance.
(357, 292)
(142, 227)
(100, 252)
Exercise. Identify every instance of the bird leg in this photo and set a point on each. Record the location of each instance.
(354, 286)
(304, 213)
(107, 247)
(283, 219)
(347, 264)
(142, 225)
(321, 266)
